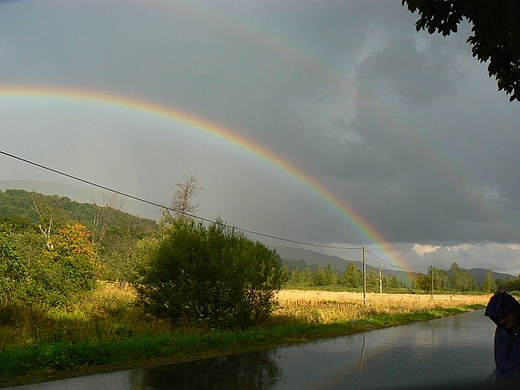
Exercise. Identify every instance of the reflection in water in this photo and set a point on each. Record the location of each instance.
(254, 371)
(444, 352)
(362, 352)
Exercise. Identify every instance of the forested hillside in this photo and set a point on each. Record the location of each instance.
(50, 220)
(23, 204)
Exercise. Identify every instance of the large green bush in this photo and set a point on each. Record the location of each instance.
(211, 276)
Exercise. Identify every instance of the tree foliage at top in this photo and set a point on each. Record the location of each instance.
(496, 33)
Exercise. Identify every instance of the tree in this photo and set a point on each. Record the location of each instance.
(372, 279)
(443, 279)
(456, 276)
(460, 279)
(75, 253)
(330, 275)
(13, 267)
(393, 282)
(182, 201)
(51, 216)
(295, 276)
(496, 33)
(104, 217)
(352, 277)
(510, 285)
(489, 284)
(306, 275)
(318, 277)
(211, 276)
(432, 279)
(423, 282)
(31, 274)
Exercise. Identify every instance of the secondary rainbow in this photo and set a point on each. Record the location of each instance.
(218, 131)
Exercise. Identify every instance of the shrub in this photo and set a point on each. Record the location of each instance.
(30, 274)
(211, 276)
(12, 268)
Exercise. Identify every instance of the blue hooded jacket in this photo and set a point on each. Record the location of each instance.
(507, 341)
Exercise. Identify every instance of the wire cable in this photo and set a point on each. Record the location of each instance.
(155, 204)
(390, 264)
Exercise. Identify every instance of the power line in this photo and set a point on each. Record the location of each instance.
(390, 264)
(207, 220)
(155, 204)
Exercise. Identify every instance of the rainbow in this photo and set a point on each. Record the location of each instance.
(220, 132)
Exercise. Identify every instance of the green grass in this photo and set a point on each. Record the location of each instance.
(49, 360)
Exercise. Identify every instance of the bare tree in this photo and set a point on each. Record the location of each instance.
(49, 215)
(181, 201)
(103, 216)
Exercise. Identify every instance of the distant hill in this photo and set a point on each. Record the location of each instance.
(19, 203)
(314, 258)
(480, 274)
(298, 258)
(79, 193)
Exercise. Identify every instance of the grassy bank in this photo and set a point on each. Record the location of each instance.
(105, 331)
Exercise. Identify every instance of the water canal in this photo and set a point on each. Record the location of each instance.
(444, 353)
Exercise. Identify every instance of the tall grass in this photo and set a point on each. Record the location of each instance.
(325, 307)
(107, 313)
(104, 329)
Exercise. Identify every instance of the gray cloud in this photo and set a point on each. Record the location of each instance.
(403, 127)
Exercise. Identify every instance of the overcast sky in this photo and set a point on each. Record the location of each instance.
(405, 129)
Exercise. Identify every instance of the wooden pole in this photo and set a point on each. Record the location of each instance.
(431, 270)
(381, 279)
(364, 278)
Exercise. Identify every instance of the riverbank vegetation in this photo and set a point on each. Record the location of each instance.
(105, 330)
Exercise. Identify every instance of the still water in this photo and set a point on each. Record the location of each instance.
(445, 353)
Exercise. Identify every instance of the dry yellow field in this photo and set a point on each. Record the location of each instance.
(328, 306)
(314, 306)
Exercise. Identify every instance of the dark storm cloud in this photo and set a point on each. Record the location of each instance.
(404, 127)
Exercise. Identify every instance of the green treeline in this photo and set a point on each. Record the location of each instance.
(350, 279)
(453, 280)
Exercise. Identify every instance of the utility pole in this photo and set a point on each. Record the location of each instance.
(431, 270)
(364, 278)
(381, 279)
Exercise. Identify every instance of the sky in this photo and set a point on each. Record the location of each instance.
(331, 123)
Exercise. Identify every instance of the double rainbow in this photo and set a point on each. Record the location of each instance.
(226, 134)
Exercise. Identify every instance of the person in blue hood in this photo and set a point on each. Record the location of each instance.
(504, 310)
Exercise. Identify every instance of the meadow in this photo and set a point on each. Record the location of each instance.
(325, 307)
(104, 330)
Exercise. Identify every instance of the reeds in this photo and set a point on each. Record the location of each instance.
(108, 313)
